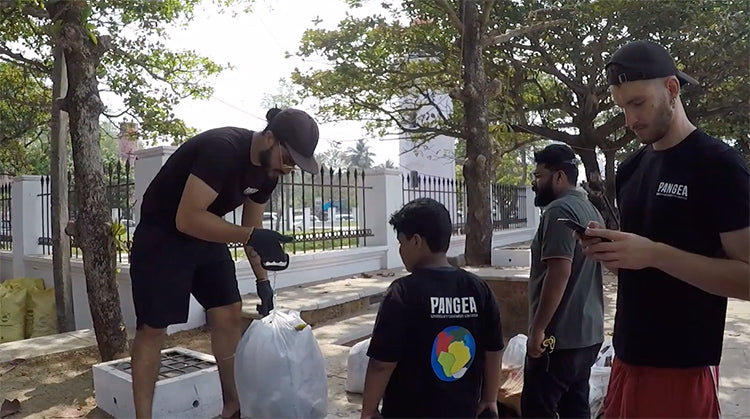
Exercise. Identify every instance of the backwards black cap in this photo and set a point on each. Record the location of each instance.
(643, 60)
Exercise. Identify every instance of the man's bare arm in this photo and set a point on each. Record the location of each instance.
(194, 219)
(252, 216)
(728, 277)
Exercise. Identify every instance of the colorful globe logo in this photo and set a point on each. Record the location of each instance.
(452, 352)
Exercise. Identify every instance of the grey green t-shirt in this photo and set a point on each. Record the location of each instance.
(579, 319)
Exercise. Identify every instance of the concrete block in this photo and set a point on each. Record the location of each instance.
(512, 295)
(511, 257)
(188, 386)
(459, 261)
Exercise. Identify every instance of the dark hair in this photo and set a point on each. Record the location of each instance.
(270, 115)
(429, 219)
(559, 157)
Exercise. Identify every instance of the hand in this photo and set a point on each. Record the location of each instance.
(265, 292)
(267, 243)
(534, 348)
(585, 239)
(624, 251)
(487, 409)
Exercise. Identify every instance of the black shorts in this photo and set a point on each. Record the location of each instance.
(166, 267)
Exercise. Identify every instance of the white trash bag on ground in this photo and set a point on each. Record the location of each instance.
(279, 369)
(515, 352)
(356, 367)
(599, 380)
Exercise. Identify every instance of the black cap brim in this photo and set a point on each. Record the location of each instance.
(306, 163)
(685, 79)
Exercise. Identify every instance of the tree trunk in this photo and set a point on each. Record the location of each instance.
(94, 225)
(609, 175)
(597, 189)
(478, 167)
(59, 173)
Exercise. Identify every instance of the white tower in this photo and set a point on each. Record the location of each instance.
(437, 156)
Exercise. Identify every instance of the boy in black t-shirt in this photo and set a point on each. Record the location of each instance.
(436, 346)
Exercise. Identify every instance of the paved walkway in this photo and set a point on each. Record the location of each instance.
(734, 372)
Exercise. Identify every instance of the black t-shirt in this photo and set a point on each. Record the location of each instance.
(685, 197)
(221, 158)
(436, 324)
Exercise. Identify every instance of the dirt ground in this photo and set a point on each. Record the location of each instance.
(61, 385)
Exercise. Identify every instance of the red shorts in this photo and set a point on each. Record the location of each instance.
(636, 391)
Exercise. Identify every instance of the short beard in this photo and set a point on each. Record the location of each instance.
(660, 124)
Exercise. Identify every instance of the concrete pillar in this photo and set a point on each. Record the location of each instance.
(148, 163)
(533, 213)
(382, 198)
(26, 213)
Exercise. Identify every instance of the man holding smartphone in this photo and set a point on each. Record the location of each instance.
(566, 310)
(683, 249)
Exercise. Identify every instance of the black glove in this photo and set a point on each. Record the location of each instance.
(268, 245)
(265, 292)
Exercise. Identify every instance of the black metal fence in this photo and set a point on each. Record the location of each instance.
(507, 202)
(6, 236)
(324, 211)
(120, 189)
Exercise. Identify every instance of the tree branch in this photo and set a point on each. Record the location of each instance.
(720, 110)
(455, 20)
(516, 145)
(399, 122)
(28, 9)
(432, 103)
(550, 67)
(16, 57)
(524, 30)
(546, 132)
(609, 127)
(621, 142)
(484, 19)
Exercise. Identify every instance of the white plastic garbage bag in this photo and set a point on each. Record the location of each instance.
(515, 352)
(599, 380)
(606, 354)
(598, 383)
(279, 369)
(356, 367)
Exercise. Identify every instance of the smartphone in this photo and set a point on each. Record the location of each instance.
(575, 226)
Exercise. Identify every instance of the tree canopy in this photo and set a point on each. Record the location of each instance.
(143, 77)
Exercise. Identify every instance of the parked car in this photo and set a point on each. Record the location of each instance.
(301, 224)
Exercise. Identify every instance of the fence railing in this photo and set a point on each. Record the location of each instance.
(507, 202)
(508, 206)
(120, 190)
(6, 236)
(324, 211)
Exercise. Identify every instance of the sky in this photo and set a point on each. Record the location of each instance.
(255, 45)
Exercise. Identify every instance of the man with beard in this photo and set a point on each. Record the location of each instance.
(180, 244)
(683, 249)
(566, 311)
